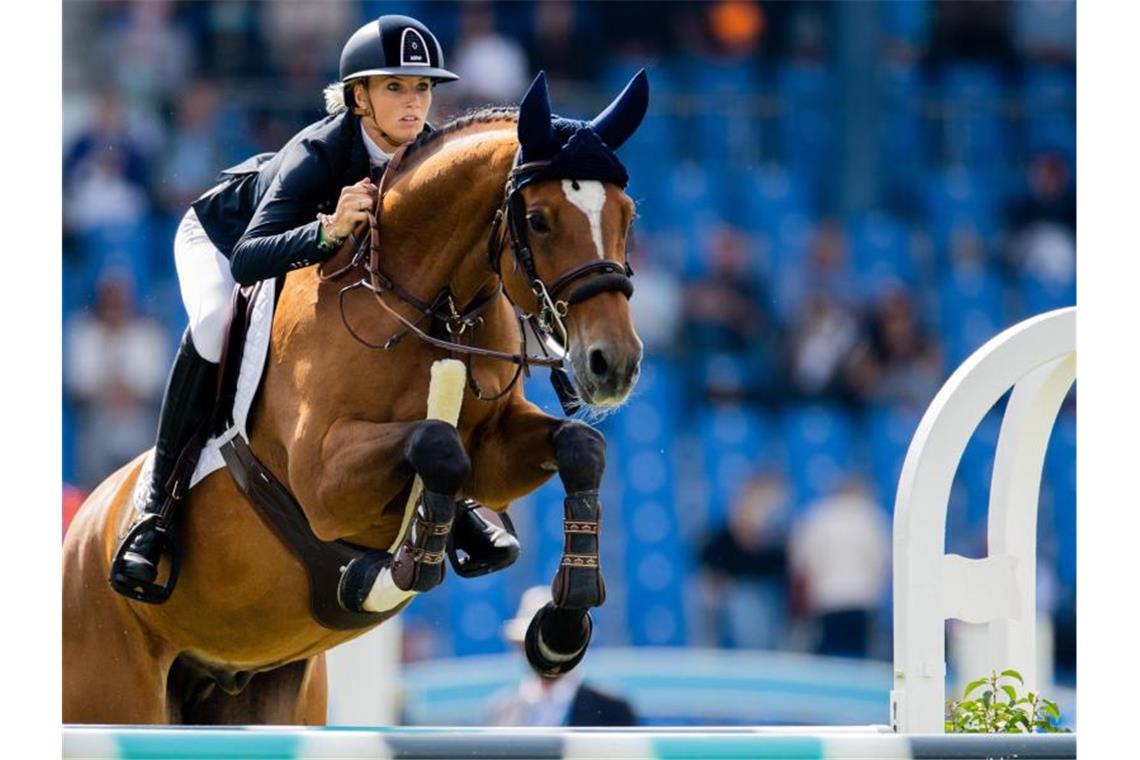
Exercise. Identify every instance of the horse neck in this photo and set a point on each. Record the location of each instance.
(437, 217)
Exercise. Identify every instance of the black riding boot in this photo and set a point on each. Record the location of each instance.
(186, 407)
(488, 546)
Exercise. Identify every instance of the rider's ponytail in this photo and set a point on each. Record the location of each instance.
(335, 98)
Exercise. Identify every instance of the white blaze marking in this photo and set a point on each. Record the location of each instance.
(590, 198)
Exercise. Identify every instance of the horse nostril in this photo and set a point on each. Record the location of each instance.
(599, 365)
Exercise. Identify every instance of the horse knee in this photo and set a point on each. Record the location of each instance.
(436, 454)
(580, 451)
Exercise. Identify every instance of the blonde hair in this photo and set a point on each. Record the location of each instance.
(334, 98)
(335, 94)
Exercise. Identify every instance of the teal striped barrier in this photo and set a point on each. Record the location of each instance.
(801, 743)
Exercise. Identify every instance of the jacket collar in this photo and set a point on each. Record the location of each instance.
(356, 167)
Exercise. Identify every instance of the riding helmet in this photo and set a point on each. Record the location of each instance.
(394, 45)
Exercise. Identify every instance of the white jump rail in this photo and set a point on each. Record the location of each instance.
(803, 743)
(1037, 359)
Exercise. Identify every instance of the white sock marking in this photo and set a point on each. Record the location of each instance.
(589, 198)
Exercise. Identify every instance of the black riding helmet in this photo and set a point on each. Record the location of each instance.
(392, 45)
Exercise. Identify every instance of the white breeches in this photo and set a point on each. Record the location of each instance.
(207, 286)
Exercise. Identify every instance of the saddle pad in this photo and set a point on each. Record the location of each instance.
(249, 379)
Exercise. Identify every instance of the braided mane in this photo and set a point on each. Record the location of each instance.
(484, 115)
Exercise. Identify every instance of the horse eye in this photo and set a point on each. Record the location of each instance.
(538, 223)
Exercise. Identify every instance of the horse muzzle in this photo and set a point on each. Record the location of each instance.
(603, 375)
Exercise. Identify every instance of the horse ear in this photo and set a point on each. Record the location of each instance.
(535, 130)
(623, 116)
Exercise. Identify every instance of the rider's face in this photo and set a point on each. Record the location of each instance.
(400, 105)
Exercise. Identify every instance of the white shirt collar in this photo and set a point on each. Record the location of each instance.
(376, 155)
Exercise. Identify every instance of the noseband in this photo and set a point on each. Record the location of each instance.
(546, 319)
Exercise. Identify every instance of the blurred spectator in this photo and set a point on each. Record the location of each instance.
(971, 29)
(840, 560)
(819, 345)
(562, 30)
(1046, 29)
(305, 39)
(114, 372)
(743, 576)
(106, 133)
(560, 701)
(656, 303)
(494, 68)
(1050, 196)
(150, 55)
(1046, 252)
(825, 271)
(724, 311)
(897, 361)
(736, 26)
(99, 194)
(197, 150)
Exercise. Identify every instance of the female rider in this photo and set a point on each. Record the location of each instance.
(269, 216)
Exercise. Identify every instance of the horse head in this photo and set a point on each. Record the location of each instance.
(574, 218)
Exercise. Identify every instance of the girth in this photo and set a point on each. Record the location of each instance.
(322, 560)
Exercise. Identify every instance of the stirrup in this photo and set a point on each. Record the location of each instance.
(151, 593)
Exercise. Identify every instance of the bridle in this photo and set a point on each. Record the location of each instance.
(546, 319)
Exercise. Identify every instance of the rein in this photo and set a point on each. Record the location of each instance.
(546, 321)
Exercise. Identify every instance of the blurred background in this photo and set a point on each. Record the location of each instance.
(838, 202)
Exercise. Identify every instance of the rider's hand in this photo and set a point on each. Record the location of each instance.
(352, 208)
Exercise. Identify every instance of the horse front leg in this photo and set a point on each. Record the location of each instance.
(363, 466)
(559, 633)
(520, 454)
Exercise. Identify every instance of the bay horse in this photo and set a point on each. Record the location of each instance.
(341, 424)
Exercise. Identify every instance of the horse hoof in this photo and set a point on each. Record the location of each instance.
(556, 640)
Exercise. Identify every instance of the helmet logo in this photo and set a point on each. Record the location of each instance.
(413, 49)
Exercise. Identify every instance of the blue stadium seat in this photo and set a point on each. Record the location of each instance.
(1060, 477)
(121, 247)
(820, 441)
(975, 127)
(902, 133)
(959, 196)
(656, 601)
(727, 133)
(906, 21)
(1049, 95)
(1039, 296)
(765, 196)
(477, 608)
(694, 204)
(806, 124)
(880, 253)
(737, 441)
(971, 312)
(968, 524)
(889, 432)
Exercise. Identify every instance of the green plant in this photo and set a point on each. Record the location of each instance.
(991, 714)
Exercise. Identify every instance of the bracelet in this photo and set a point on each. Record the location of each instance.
(327, 241)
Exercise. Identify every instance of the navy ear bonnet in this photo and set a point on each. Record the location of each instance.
(577, 149)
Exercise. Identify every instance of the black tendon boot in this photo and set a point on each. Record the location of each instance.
(186, 407)
(487, 545)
